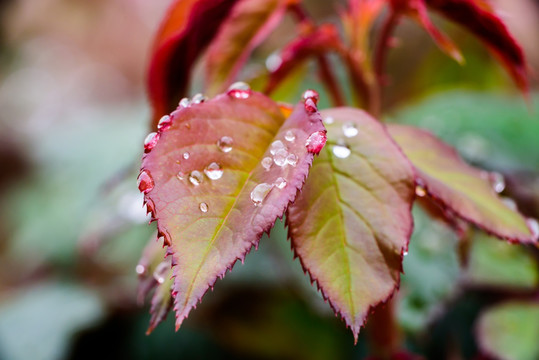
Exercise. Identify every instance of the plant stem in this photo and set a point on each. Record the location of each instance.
(330, 81)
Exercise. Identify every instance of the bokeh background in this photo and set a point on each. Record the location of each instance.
(73, 116)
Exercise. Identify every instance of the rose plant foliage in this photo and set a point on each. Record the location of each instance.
(219, 170)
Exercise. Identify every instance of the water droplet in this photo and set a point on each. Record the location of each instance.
(213, 171)
(150, 141)
(404, 253)
(280, 183)
(184, 103)
(145, 182)
(510, 203)
(198, 98)
(311, 94)
(267, 162)
(341, 150)
(292, 159)
(310, 106)
(203, 207)
(260, 192)
(239, 90)
(196, 177)
(140, 269)
(328, 120)
(280, 157)
(164, 123)
(497, 181)
(161, 271)
(180, 175)
(349, 129)
(225, 144)
(420, 191)
(316, 142)
(273, 62)
(276, 145)
(533, 225)
(289, 136)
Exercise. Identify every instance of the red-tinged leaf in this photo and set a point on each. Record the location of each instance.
(162, 302)
(248, 24)
(352, 221)
(462, 189)
(480, 19)
(218, 179)
(186, 31)
(323, 39)
(358, 22)
(417, 10)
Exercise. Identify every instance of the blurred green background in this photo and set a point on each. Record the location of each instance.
(73, 117)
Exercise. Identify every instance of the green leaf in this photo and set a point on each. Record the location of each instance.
(461, 188)
(510, 331)
(352, 221)
(249, 23)
(219, 177)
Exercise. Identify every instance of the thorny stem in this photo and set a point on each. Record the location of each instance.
(381, 57)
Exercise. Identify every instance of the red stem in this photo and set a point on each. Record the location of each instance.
(329, 80)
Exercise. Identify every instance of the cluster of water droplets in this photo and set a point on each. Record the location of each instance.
(349, 130)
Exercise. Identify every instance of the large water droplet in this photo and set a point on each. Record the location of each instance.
(275, 146)
(328, 120)
(310, 98)
(203, 207)
(239, 90)
(260, 192)
(150, 141)
(311, 94)
(289, 136)
(533, 225)
(213, 171)
(145, 182)
(140, 269)
(196, 177)
(310, 106)
(225, 144)
(161, 271)
(267, 162)
(404, 253)
(164, 123)
(497, 181)
(184, 103)
(280, 183)
(280, 157)
(292, 159)
(349, 129)
(186, 155)
(198, 98)
(341, 150)
(316, 142)
(273, 62)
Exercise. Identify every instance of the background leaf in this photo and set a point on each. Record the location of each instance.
(463, 189)
(352, 221)
(220, 177)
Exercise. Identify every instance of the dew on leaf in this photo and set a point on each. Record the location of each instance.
(184, 103)
(311, 94)
(198, 98)
(280, 183)
(273, 62)
(341, 150)
(276, 145)
(497, 181)
(203, 207)
(328, 120)
(267, 162)
(316, 142)
(225, 144)
(310, 106)
(404, 253)
(239, 90)
(180, 175)
(260, 192)
(196, 177)
(213, 171)
(510, 203)
(420, 191)
(349, 129)
(150, 141)
(164, 123)
(145, 182)
(186, 155)
(140, 269)
(289, 136)
(280, 157)
(292, 159)
(533, 225)
(161, 271)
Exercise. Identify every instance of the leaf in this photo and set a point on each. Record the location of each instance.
(510, 331)
(482, 21)
(323, 39)
(248, 24)
(204, 179)
(352, 221)
(417, 10)
(461, 188)
(186, 31)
